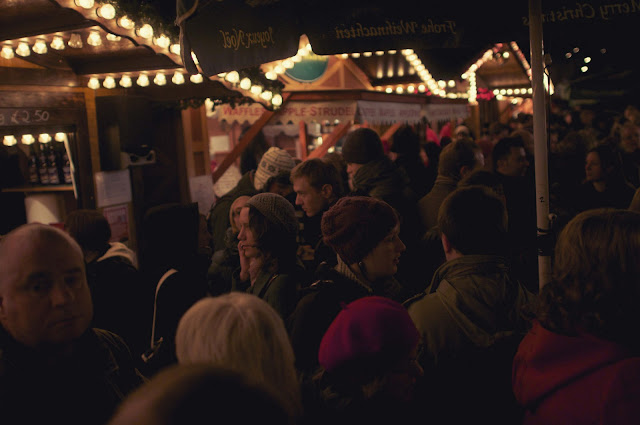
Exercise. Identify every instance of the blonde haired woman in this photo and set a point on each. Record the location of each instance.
(245, 334)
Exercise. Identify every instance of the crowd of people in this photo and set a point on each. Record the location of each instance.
(389, 281)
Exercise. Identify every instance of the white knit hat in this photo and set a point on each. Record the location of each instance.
(273, 162)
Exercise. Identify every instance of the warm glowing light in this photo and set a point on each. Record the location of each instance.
(160, 79)
(7, 51)
(87, 4)
(367, 54)
(23, 49)
(584, 68)
(279, 69)
(40, 46)
(175, 49)
(162, 41)
(245, 83)
(9, 140)
(178, 78)
(126, 23)
(145, 31)
(232, 77)
(196, 78)
(106, 11)
(256, 89)
(271, 75)
(266, 95)
(75, 41)
(125, 81)
(451, 83)
(44, 138)
(288, 63)
(27, 139)
(60, 137)
(276, 100)
(399, 90)
(113, 37)
(94, 83)
(355, 55)
(109, 82)
(587, 59)
(94, 38)
(143, 80)
(57, 43)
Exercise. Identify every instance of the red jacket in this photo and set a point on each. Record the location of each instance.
(575, 380)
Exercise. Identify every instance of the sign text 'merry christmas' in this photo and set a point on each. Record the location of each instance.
(358, 30)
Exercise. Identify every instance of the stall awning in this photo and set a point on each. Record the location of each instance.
(445, 112)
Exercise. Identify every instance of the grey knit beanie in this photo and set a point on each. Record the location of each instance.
(276, 209)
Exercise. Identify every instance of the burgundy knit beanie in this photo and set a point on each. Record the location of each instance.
(371, 332)
(362, 146)
(355, 225)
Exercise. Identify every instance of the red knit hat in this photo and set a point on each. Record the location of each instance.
(355, 225)
(371, 332)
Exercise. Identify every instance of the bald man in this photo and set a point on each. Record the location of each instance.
(53, 366)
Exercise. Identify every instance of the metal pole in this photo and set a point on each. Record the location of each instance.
(540, 142)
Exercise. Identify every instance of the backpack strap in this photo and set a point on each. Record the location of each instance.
(155, 301)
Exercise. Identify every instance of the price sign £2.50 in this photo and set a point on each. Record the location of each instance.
(12, 116)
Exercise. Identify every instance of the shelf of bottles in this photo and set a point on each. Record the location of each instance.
(49, 164)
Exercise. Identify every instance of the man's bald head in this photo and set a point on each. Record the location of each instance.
(44, 296)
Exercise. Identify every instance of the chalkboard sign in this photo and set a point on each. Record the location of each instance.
(32, 116)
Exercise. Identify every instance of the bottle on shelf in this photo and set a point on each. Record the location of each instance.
(32, 166)
(51, 158)
(43, 171)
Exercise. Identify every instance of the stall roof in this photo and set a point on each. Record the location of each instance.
(54, 26)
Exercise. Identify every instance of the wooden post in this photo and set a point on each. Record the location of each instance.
(302, 140)
(331, 140)
(244, 141)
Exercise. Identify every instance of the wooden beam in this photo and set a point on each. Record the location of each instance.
(331, 140)
(302, 140)
(391, 131)
(244, 141)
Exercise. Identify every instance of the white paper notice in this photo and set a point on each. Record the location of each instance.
(113, 187)
(201, 188)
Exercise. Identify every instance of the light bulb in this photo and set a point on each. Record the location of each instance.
(60, 137)
(75, 41)
(9, 140)
(276, 100)
(125, 81)
(7, 52)
(57, 43)
(178, 78)
(126, 23)
(44, 138)
(94, 83)
(271, 75)
(113, 37)
(266, 95)
(145, 31)
(162, 41)
(245, 83)
(196, 78)
(175, 49)
(232, 77)
(288, 63)
(40, 46)
(256, 89)
(106, 11)
(143, 80)
(109, 82)
(160, 79)
(87, 4)
(27, 139)
(94, 38)
(23, 49)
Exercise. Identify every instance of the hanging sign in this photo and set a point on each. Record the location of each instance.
(232, 35)
(294, 112)
(387, 112)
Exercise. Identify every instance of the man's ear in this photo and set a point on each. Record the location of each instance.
(326, 191)
(446, 244)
